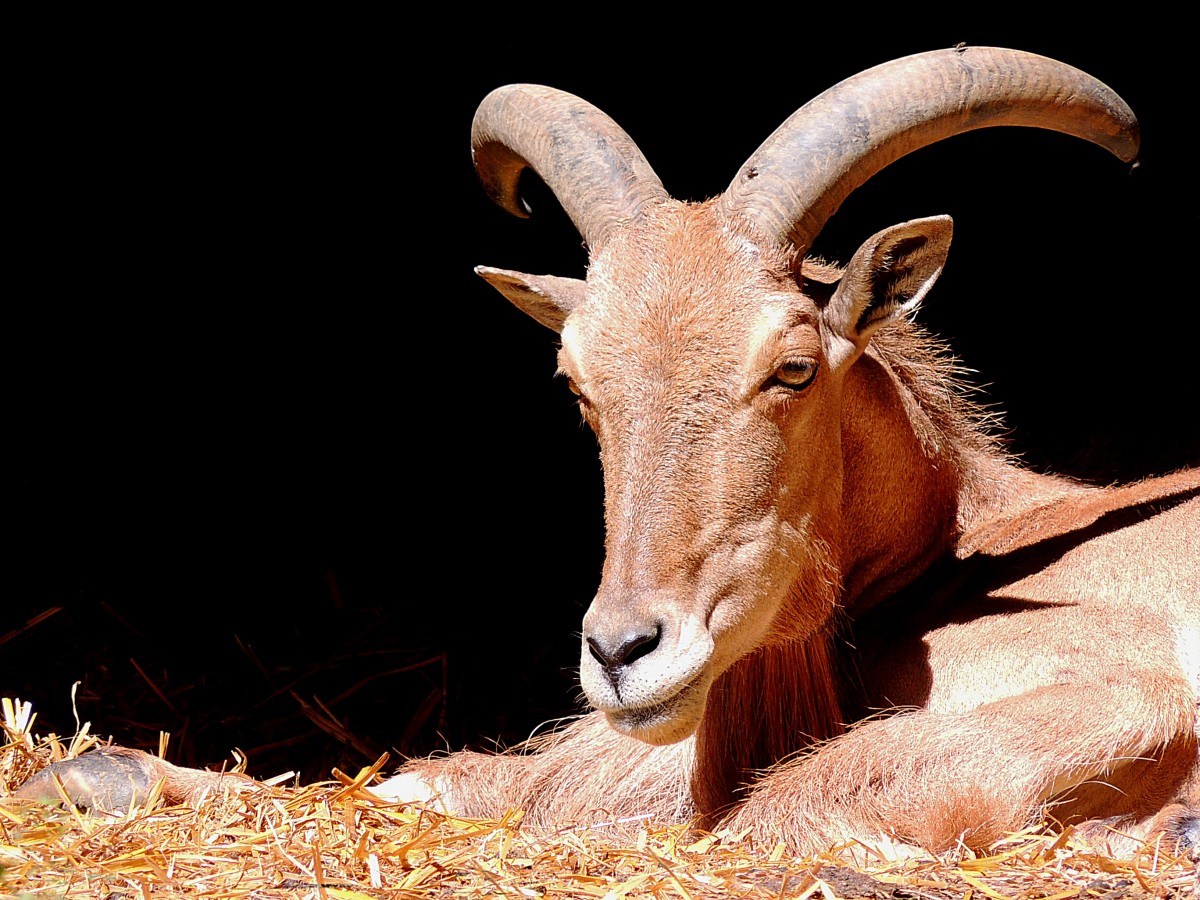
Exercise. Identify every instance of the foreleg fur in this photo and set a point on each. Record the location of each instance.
(586, 772)
(933, 779)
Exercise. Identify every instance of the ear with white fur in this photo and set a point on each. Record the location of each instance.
(887, 278)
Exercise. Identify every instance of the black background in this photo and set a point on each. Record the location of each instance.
(259, 407)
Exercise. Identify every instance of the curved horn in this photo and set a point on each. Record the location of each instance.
(797, 179)
(593, 167)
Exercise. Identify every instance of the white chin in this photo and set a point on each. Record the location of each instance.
(667, 723)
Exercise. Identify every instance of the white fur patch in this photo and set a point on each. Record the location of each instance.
(409, 787)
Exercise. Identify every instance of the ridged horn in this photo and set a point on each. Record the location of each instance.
(796, 180)
(593, 167)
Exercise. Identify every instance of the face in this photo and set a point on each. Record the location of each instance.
(706, 382)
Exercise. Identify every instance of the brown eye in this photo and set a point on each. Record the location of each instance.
(584, 403)
(796, 373)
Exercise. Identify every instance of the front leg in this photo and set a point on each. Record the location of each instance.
(587, 772)
(933, 779)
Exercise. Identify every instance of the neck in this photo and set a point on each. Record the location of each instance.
(918, 473)
(901, 484)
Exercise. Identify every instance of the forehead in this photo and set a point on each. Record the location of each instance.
(686, 283)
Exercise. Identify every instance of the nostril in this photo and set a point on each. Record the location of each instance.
(626, 649)
(637, 646)
(598, 653)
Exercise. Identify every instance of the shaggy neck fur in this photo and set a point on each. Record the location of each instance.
(768, 706)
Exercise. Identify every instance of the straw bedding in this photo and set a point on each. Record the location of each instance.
(336, 840)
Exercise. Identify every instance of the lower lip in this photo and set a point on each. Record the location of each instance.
(647, 718)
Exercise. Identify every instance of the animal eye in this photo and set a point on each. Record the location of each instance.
(584, 404)
(796, 373)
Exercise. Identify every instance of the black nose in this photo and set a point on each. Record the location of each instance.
(624, 649)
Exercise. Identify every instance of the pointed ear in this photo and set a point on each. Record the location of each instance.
(887, 278)
(548, 298)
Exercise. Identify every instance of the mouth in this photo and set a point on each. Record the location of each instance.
(665, 722)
